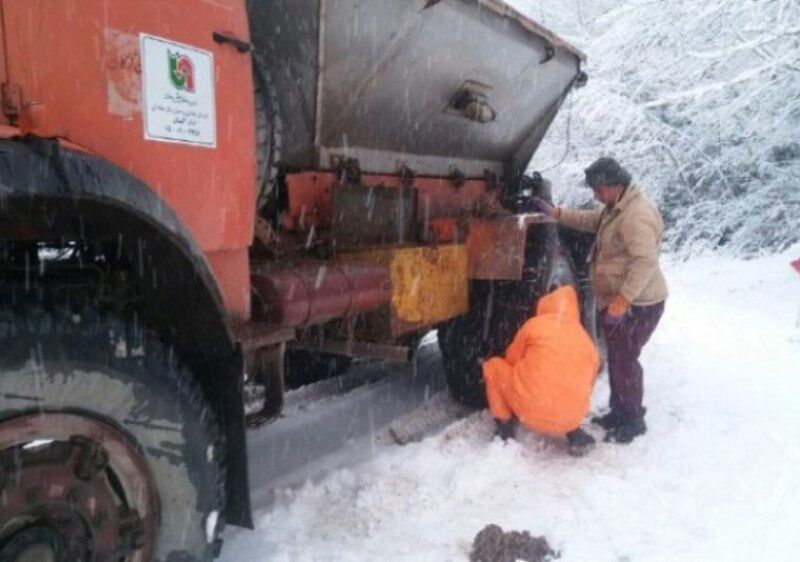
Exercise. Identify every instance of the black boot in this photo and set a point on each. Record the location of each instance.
(506, 429)
(579, 442)
(612, 419)
(609, 420)
(630, 428)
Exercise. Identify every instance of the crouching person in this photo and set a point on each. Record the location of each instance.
(546, 377)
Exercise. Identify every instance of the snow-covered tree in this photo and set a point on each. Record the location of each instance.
(700, 99)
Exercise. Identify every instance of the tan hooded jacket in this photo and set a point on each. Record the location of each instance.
(624, 260)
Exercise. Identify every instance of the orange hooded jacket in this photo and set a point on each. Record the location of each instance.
(547, 374)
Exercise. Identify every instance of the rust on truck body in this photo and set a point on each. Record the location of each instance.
(496, 246)
(310, 196)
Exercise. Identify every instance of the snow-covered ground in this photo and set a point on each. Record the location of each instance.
(715, 478)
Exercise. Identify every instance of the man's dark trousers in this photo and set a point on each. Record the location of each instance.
(625, 343)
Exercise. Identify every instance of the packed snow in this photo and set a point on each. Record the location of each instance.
(715, 477)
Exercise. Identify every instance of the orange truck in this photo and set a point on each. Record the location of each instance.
(199, 198)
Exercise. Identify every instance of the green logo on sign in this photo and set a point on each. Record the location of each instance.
(181, 71)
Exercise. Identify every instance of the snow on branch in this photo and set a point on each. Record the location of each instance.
(701, 99)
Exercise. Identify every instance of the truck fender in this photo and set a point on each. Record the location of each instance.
(39, 178)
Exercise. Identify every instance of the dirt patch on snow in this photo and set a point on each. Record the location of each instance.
(493, 545)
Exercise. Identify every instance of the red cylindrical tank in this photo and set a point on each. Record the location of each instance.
(310, 293)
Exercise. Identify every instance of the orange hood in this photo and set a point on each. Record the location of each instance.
(546, 376)
(563, 302)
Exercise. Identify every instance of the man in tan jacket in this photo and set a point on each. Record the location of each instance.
(629, 286)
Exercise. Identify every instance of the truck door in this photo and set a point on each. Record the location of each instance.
(149, 86)
(78, 65)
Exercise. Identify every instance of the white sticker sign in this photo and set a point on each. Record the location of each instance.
(178, 87)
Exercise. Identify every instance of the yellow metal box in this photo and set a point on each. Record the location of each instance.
(429, 284)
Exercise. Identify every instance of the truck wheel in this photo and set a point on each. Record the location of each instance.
(267, 132)
(461, 351)
(497, 311)
(108, 450)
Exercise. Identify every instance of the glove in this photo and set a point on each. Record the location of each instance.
(615, 313)
(619, 306)
(544, 207)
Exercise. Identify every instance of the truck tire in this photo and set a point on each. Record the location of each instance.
(498, 309)
(107, 445)
(267, 125)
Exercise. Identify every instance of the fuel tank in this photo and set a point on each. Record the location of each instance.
(311, 292)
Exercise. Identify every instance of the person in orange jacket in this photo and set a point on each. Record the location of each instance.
(546, 376)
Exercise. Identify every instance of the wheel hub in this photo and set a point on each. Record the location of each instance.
(75, 490)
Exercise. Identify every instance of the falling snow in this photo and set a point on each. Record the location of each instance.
(700, 99)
